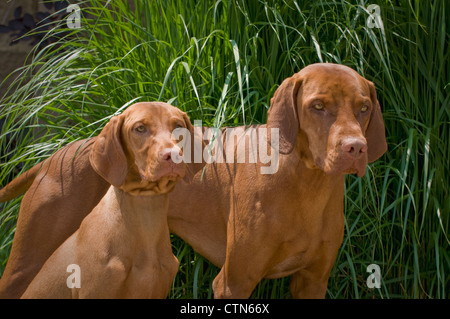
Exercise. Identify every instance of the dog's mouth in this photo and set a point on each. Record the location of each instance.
(154, 182)
(339, 166)
(355, 169)
(170, 172)
(148, 188)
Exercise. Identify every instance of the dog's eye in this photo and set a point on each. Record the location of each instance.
(319, 106)
(364, 108)
(179, 125)
(141, 129)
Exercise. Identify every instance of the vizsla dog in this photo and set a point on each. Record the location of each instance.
(122, 247)
(259, 226)
(255, 225)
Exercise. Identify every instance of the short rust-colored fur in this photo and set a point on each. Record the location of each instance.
(258, 226)
(122, 248)
(251, 225)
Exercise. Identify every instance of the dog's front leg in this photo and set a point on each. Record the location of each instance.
(235, 281)
(249, 249)
(312, 281)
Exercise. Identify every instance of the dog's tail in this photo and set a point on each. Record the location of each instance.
(20, 184)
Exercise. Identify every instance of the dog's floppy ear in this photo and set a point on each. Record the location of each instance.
(107, 156)
(375, 133)
(283, 115)
(196, 141)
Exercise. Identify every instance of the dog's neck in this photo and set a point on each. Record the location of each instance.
(146, 213)
(301, 168)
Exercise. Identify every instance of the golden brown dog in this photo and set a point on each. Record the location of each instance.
(122, 248)
(255, 225)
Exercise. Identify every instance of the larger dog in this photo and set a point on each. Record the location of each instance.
(251, 225)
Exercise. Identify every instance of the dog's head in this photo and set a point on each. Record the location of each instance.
(136, 150)
(332, 116)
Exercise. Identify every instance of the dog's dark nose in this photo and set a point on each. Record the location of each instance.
(173, 155)
(354, 147)
(166, 154)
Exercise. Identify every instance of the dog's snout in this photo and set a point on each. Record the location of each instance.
(166, 155)
(172, 155)
(354, 147)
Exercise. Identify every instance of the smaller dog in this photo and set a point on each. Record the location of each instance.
(122, 248)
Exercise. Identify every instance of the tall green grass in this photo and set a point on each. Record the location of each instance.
(221, 61)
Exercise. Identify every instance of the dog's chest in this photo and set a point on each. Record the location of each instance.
(150, 279)
(294, 257)
(309, 230)
(133, 250)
